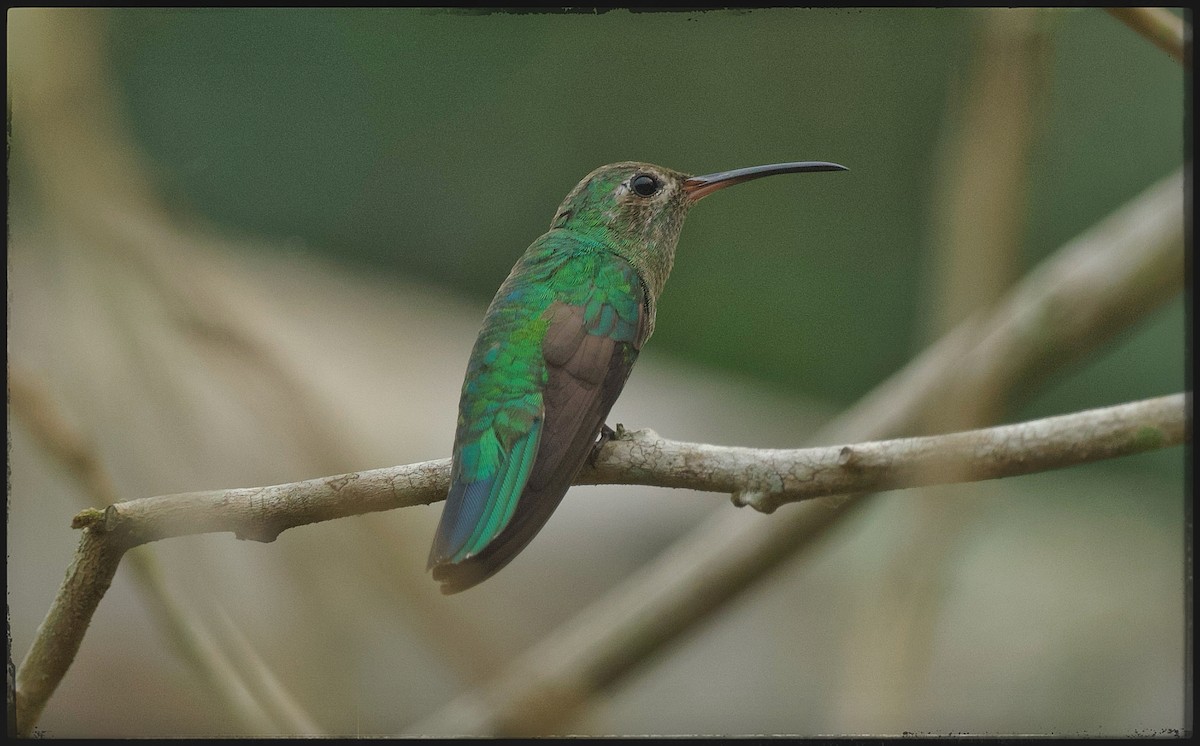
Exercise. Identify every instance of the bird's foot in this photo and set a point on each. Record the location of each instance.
(606, 434)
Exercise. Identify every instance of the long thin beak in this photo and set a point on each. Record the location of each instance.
(698, 187)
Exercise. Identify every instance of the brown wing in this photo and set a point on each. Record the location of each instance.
(586, 371)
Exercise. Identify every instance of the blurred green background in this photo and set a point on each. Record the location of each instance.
(437, 145)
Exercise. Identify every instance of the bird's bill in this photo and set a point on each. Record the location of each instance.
(697, 187)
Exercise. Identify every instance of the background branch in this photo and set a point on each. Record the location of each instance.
(978, 225)
(1166, 30)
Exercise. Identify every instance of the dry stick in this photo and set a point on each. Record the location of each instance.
(1114, 274)
(762, 478)
(33, 405)
(1166, 30)
(59, 636)
(269, 690)
(1091, 289)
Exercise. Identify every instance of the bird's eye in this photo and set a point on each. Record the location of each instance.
(644, 185)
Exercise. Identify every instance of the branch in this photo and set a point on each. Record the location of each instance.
(58, 638)
(762, 478)
(1163, 28)
(978, 216)
(759, 477)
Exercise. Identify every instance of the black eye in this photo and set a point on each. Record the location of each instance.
(644, 185)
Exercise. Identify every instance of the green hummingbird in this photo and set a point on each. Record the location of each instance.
(557, 345)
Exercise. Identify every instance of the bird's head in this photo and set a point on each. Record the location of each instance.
(637, 209)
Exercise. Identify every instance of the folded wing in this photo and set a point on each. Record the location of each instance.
(507, 482)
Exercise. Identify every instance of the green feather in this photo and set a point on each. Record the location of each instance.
(502, 500)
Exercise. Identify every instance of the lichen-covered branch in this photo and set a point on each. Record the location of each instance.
(764, 479)
(262, 513)
(59, 636)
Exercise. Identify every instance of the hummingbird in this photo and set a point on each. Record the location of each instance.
(556, 347)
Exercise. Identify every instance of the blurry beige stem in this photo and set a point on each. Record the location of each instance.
(1166, 30)
(979, 215)
(978, 219)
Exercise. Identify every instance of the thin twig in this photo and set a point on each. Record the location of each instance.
(784, 476)
(33, 405)
(1163, 28)
(761, 478)
(60, 634)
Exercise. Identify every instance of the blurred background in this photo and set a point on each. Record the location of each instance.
(254, 246)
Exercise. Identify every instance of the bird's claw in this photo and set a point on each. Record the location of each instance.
(606, 434)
